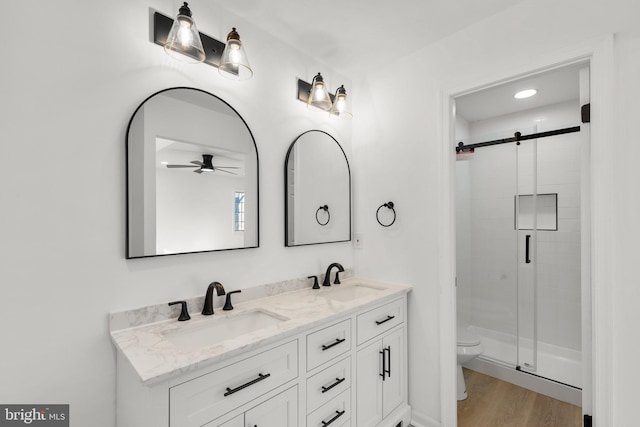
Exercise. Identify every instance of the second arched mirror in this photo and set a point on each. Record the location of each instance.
(317, 191)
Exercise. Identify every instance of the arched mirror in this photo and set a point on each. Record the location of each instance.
(192, 176)
(318, 191)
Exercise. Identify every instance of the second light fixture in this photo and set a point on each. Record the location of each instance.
(318, 98)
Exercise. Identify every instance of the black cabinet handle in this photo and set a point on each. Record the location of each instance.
(243, 386)
(527, 259)
(380, 322)
(329, 387)
(338, 415)
(337, 341)
(387, 370)
(384, 363)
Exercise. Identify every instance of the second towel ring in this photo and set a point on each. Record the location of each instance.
(326, 209)
(386, 205)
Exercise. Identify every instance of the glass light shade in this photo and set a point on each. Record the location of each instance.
(319, 98)
(183, 42)
(340, 107)
(234, 63)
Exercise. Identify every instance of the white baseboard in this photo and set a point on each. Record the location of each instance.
(421, 420)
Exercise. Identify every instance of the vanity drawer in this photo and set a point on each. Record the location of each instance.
(379, 320)
(205, 398)
(328, 383)
(335, 413)
(328, 343)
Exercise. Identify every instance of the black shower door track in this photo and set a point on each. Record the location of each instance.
(516, 138)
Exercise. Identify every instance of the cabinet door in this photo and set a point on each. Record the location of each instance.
(393, 385)
(279, 411)
(369, 385)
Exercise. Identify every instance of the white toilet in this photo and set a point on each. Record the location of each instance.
(469, 346)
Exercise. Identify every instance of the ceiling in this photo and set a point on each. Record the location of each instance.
(351, 36)
(554, 87)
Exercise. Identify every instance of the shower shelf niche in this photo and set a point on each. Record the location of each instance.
(546, 208)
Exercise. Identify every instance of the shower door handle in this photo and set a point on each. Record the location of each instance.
(526, 250)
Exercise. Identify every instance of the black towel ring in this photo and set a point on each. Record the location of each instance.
(326, 209)
(386, 205)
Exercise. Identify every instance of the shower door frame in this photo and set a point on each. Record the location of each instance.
(596, 323)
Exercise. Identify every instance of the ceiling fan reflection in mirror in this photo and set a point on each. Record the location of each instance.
(206, 165)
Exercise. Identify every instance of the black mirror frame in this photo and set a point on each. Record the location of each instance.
(126, 151)
(286, 198)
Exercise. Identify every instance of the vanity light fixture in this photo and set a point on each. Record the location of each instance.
(527, 93)
(340, 108)
(181, 40)
(318, 98)
(234, 63)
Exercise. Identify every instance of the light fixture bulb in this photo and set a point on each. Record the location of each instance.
(319, 98)
(234, 63)
(527, 93)
(340, 107)
(183, 42)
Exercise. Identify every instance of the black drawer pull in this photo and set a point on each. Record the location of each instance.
(329, 387)
(250, 383)
(338, 415)
(338, 341)
(380, 322)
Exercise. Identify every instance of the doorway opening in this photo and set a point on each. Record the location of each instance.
(522, 197)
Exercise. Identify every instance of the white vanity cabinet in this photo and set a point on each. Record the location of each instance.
(200, 400)
(347, 371)
(381, 378)
(278, 411)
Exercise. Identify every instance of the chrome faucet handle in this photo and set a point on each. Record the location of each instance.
(184, 313)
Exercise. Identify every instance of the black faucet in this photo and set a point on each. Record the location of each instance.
(207, 310)
(328, 273)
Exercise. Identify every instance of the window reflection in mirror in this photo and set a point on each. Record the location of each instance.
(318, 191)
(188, 156)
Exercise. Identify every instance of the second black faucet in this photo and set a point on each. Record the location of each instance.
(327, 280)
(207, 310)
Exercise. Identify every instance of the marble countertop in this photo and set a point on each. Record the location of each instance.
(155, 358)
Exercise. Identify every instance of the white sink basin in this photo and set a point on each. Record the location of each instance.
(221, 327)
(351, 292)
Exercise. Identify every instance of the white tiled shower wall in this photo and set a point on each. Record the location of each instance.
(490, 252)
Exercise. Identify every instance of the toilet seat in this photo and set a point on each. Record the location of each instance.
(467, 338)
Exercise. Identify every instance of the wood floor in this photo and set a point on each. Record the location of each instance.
(496, 403)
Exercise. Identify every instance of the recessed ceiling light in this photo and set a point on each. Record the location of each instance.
(525, 93)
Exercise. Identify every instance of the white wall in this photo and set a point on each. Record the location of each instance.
(69, 89)
(397, 142)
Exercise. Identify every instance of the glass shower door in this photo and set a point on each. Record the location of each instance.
(549, 287)
(487, 291)
(557, 259)
(526, 202)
